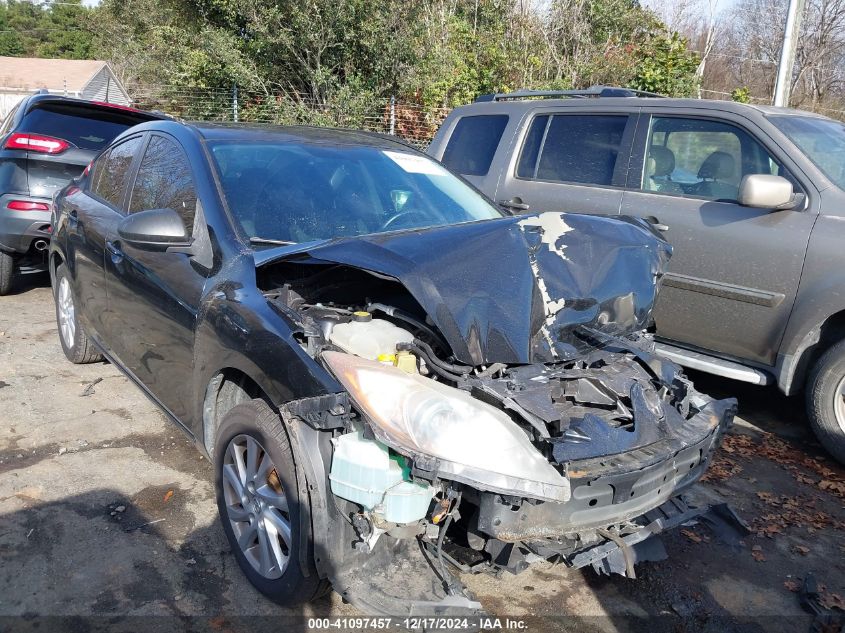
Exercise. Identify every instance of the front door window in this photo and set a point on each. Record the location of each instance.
(701, 158)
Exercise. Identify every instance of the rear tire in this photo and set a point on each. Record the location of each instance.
(8, 272)
(260, 511)
(76, 345)
(826, 400)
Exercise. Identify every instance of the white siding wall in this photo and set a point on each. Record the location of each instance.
(9, 100)
(104, 87)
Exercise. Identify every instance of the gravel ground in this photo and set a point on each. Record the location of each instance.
(107, 513)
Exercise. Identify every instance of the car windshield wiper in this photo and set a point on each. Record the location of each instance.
(267, 240)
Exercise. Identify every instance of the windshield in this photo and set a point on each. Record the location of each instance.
(303, 192)
(822, 140)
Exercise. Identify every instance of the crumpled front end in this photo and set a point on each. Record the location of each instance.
(497, 402)
(604, 442)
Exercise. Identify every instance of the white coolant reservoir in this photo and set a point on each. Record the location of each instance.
(370, 338)
(365, 472)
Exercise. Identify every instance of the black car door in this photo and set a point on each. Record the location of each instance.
(153, 295)
(91, 214)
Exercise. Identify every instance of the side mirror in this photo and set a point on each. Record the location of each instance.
(156, 229)
(764, 191)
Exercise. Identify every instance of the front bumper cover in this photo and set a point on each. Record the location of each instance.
(615, 489)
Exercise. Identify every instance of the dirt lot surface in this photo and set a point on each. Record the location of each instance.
(107, 510)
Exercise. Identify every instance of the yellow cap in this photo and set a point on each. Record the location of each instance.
(386, 358)
(406, 361)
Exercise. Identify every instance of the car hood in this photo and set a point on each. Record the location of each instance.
(519, 289)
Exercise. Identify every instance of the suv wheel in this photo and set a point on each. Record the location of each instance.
(259, 504)
(76, 345)
(7, 273)
(826, 400)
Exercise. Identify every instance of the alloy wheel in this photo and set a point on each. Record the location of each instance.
(67, 313)
(257, 507)
(839, 403)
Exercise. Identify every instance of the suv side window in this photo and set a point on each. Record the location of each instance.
(473, 144)
(703, 158)
(572, 148)
(111, 171)
(165, 181)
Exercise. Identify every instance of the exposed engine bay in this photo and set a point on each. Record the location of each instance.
(481, 426)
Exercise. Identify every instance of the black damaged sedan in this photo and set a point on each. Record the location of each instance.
(395, 379)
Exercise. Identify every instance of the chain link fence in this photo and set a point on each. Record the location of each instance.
(408, 121)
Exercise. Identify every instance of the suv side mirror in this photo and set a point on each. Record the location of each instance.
(765, 191)
(155, 229)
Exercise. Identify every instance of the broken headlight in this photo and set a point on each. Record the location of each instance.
(472, 441)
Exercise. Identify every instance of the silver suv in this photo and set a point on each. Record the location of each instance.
(752, 198)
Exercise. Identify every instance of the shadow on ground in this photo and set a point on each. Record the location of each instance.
(105, 561)
(29, 281)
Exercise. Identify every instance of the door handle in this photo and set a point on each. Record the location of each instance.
(115, 252)
(657, 224)
(516, 204)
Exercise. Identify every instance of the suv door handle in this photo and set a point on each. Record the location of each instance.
(657, 224)
(515, 203)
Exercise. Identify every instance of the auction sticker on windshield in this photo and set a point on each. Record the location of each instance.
(416, 164)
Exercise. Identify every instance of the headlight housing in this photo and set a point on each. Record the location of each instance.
(473, 442)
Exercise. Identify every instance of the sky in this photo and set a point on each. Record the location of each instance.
(721, 5)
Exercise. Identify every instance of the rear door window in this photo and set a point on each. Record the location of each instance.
(165, 181)
(473, 144)
(527, 166)
(573, 148)
(112, 170)
(85, 126)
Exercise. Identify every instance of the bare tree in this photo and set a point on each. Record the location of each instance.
(699, 21)
(748, 45)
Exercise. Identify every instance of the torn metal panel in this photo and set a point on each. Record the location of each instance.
(640, 542)
(514, 290)
(330, 411)
(608, 403)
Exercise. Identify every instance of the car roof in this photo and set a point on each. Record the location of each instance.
(526, 104)
(215, 131)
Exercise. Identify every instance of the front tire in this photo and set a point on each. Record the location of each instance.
(260, 507)
(8, 273)
(826, 400)
(76, 345)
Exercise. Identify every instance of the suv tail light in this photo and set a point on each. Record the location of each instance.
(36, 143)
(26, 205)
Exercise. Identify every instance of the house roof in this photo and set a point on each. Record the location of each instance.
(30, 73)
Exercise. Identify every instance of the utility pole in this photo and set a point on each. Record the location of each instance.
(787, 52)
